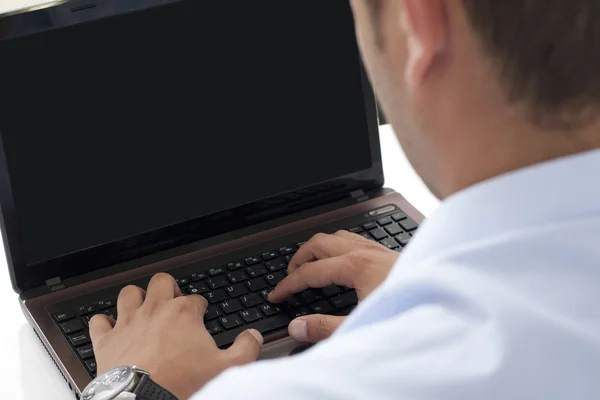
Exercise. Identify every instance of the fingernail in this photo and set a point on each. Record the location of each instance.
(256, 335)
(298, 330)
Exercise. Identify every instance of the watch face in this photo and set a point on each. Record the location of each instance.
(109, 385)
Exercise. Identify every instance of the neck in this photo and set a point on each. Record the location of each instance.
(503, 150)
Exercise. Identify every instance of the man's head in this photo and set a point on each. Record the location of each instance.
(475, 88)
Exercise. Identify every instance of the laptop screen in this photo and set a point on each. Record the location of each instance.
(128, 124)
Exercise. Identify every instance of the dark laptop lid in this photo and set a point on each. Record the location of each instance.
(129, 127)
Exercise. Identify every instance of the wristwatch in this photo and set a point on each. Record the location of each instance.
(125, 383)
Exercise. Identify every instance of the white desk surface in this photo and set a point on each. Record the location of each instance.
(26, 371)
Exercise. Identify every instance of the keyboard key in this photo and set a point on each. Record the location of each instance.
(217, 282)
(403, 239)
(236, 290)
(216, 296)
(399, 216)
(112, 313)
(286, 250)
(86, 320)
(103, 305)
(196, 288)
(235, 265)
(300, 244)
(370, 225)
(321, 307)
(256, 271)
(250, 315)
(250, 300)
(310, 296)
(378, 234)
(345, 288)
(86, 310)
(265, 293)
(213, 327)
(294, 301)
(384, 221)
(182, 281)
(300, 312)
(252, 260)
(256, 284)
(276, 265)
(409, 225)
(237, 276)
(72, 326)
(332, 290)
(91, 365)
(64, 316)
(367, 236)
(287, 259)
(355, 229)
(393, 229)
(198, 276)
(231, 306)
(212, 312)
(345, 300)
(390, 243)
(231, 321)
(86, 352)
(274, 279)
(216, 271)
(79, 339)
(269, 255)
(264, 326)
(270, 309)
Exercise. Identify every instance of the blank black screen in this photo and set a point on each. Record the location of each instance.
(124, 125)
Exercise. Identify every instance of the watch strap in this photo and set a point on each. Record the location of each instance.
(147, 389)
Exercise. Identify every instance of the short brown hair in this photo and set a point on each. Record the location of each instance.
(547, 53)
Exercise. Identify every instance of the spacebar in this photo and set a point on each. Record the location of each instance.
(264, 326)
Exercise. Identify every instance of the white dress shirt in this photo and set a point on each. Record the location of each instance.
(496, 298)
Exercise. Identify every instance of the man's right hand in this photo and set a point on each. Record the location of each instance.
(343, 258)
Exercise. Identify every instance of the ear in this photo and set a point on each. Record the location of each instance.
(426, 27)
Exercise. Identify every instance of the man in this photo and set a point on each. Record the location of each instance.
(495, 104)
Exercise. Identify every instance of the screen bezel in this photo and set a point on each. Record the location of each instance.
(25, 277)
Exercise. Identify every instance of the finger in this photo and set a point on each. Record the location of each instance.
(246, 347)
(314, 328)
(317, 274)
(100, 325)
(130, 299)
(195, 304)
(319, 247)
(351, 236)
(162, 287)
(201, 303)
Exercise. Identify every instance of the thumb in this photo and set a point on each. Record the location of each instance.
(246, 347)
(314, 328)
(100, 325)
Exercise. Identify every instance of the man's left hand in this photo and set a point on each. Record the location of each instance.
(163, 332)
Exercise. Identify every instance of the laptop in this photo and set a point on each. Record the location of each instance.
(201, 139)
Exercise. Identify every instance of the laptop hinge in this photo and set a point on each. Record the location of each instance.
(55, 284)
(359, 196)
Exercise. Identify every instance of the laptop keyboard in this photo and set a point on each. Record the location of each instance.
(237, 292)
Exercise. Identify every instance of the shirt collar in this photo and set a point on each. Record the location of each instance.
(541, 194)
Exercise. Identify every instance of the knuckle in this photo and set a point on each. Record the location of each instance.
(318, 238)
(321, 327)
(359, 258)
(183, 305)
(340, 232)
